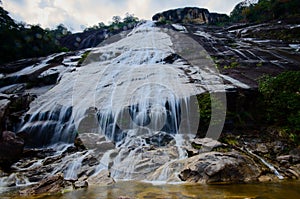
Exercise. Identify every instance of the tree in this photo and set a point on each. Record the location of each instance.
(130, 18)
(236, 15)
(6, 20)
(265, 10)
(61, 31)
(116, 19)
(282, 99)
(19, 40)
(101, 25)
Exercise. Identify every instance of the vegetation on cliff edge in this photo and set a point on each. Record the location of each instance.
(265, 10)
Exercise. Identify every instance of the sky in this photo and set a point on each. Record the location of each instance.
(78, 14)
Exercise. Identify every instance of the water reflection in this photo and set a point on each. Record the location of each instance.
(138, 190)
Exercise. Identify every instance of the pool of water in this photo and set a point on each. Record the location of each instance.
(138, 190)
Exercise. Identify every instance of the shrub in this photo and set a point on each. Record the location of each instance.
(83, 58)
(281, 95)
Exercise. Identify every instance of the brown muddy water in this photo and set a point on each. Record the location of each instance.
(139, 190)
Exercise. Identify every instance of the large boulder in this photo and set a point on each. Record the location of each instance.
(206, 144)
(93, 141)
(11, 148)
(51, 184)
(4, 105)
(215, 167)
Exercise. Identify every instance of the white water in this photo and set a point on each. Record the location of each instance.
(126, 73)
(270, 166)
(135, 95)
(74, 166)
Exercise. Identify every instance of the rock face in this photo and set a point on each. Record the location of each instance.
(190, 15)
(218, 167)
(89, 39)
(11, 148)
(18, 65)
(84, 40)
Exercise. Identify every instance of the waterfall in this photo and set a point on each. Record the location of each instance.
(270, 166)
(139, 94)
(127, 83)
(74, 166)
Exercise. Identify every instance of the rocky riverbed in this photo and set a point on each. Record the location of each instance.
(246, 158)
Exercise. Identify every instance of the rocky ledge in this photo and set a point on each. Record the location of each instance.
(237, 160)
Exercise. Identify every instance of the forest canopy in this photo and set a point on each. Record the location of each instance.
(265, 10)
(19, 40)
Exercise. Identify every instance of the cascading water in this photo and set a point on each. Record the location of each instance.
(133, 94)
(128, 79)
(270, 166)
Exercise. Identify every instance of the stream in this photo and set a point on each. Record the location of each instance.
(133, 189)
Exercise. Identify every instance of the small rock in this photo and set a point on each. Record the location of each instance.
(104, 146)
(191, 151)
(261, 148)
(294, 173)
(283, 158)
(205, 144)
(90, 160)
(80, 184)
(79, 144)
(124, 197)
(90, 140)
(264, 178)
(278, 146)
(296, 168)
(159, 139)
(101, 179)
(295, 153)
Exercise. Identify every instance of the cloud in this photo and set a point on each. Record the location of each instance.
(77, 13)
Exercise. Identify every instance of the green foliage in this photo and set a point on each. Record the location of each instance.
(196, 146)
(163, 21)
(282, 99)
(204, 103)
(233, 64)
(230, 140)
(19, 40)
(236, 14)
(259, 64)
(265, 10)
(83, 57)
(208, 102)
(128, 22)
